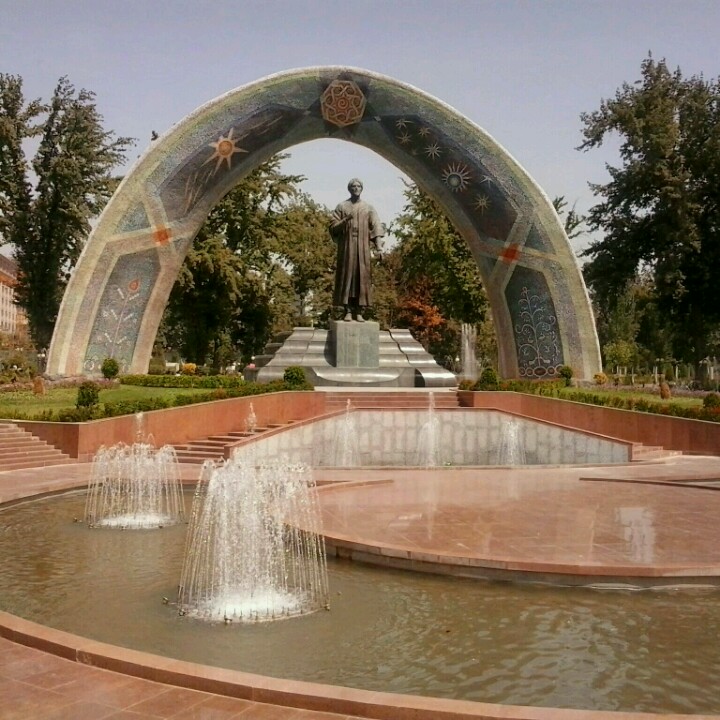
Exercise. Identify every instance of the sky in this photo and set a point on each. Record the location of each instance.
(523, 70)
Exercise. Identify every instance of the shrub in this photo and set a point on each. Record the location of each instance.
(566, 373)
(711, 400)
(184, 381)
(600, 378)
(109, 368)
(665, 391)
(157, 366)
(466, 385)
(488, 380)
(88, 395)
(294, 377)
(188, 368)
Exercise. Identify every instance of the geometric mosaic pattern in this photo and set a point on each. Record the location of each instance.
(536, 292)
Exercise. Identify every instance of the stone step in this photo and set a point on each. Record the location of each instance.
(21, 449)
(30, 452)
(213, 447)
(651, 452)
(232, 437)
(336, 401)
(20, 442)
(34, 462)
(208, 444)
(197, 458)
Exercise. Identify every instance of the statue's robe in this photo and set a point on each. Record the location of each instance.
(354, 225)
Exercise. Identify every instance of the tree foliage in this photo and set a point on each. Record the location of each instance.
(261, 263)
(438, 282)
(573, 222)
(660, 210)
(47, 222)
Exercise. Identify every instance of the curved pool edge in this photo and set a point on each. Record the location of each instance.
(288, 693)
(258, 688)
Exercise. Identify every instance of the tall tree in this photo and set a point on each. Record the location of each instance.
(47, 224)
(304, 248)
(440, 281)
(660, 210)
(17, 123)
(205, 296)
(261, 261)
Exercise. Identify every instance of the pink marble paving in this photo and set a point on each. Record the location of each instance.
(639, 522)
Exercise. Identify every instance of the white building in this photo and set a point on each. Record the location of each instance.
(12, 318)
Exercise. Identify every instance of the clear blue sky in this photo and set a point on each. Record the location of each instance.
(523, 70)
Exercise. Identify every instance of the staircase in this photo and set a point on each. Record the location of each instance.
(21, 449)
(642, 452)
(213, 447)
(415, 399)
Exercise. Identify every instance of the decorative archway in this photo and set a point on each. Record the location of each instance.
(115, 299)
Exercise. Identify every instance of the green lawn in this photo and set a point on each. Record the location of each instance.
(27, 402)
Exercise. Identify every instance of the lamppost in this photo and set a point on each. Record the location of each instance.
(41, 361)
(658, 363)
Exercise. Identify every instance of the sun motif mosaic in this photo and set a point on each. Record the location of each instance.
(456, 177)
(225, 148)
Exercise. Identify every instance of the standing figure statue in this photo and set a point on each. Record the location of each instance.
(355, 227)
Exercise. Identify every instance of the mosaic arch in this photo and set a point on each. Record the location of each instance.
(114, 302)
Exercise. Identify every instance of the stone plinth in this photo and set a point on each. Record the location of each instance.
(355, 344)
(352, 354)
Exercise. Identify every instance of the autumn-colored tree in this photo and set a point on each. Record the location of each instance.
(439, 284)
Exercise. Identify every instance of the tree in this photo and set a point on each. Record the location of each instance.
(261, 261)
(660, 210)
(47, 224)
(572, 220)
(204, 296)
(305, 250)
(439, 280)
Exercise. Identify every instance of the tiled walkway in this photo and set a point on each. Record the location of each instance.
(37, 686)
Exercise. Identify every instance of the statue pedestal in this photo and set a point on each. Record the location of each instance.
(355, 344)
(353, 354)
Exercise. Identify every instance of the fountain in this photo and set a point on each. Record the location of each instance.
(427, 452)
(251, 420)
(254, 550)
(468, 358)
(346, 449)
(512, 449)
(134, 486)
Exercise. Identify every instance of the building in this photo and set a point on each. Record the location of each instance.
(12, 318)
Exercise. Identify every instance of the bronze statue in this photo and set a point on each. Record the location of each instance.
(355, 227)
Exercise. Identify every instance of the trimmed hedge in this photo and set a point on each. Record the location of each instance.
(110, 409)
(185, 381)
(555, 389)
